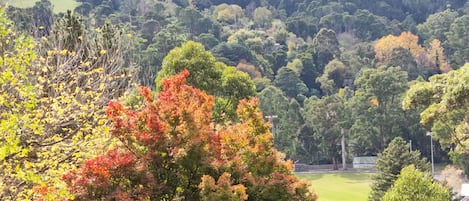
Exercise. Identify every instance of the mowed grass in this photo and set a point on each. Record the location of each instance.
(347, 186)
(58, 5)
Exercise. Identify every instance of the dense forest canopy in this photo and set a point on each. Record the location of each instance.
(358, 71)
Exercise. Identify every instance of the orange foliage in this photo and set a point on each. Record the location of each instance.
(248, 68)
(173, 143)
(437, 56)
(374, 101)
(385, 45)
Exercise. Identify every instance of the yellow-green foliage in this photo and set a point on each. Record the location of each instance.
(413, 184)
(51, 104)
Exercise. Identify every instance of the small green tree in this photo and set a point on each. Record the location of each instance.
(414, 184)
(390, 163)
(227, 84)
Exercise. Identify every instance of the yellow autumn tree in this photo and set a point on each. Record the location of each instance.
(407, 40)
(437, 56)
(55, 98)
(17, 103)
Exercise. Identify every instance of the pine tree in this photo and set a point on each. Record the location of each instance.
(390, 163)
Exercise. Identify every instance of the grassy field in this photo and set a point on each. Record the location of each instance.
(59, 5)
(340, 186)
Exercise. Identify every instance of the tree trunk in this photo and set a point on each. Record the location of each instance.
(344, 154)
(334, 163)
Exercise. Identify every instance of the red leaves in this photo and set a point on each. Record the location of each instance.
(146, 94)
(175, 145)
(42, 190)
(175, 82)
(114, 109)
(97, 172)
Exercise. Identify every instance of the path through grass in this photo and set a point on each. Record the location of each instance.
(59, 5)
(348, 186)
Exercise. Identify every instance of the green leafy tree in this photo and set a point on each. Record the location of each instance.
(376, 107)
(205, 71)
(436, 25)
(164, 41)
(457, 40)
(262, 17)
(289, 82)
(309, 72)
(208, 40)
(390, 163)
(235, 85)
(43, 17)
(226, 83)
(413, 184)
(401, 57)
(325, 116)
(368, 26)
(287, 126)
(232, 53)
(333, 77)
(302, 24)
(228, 13)
(444, 99)
(196, 23)
(325, 47)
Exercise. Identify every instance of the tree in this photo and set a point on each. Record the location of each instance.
(384, 46)
(367, 26)
(436, 25)
(226, 83)
(222, 189)
(287, 125)
(444, 99)
(228, 14)
(376, 107)
(232, 53)
(289, 82)
(234, 86)
(196, 23)
(302, 24)
(452, 177)
(413, 184)
(52, 114)
(309, 73)
(262, 17)
(437, 57)
(333, 77)
(164, 41)
(325, 116)
(17, 103)
(390, 163)
(402, 57)
(205, 71)
(175, 152)
(43, 17)
(457, 38)
(208, 40)
(256, 41)
(325, 47)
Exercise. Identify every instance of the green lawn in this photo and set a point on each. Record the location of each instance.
(340, 186)
(59, 5)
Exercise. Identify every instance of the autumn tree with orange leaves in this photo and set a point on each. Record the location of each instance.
(407, 40)
(172, 150)
(431, 59)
